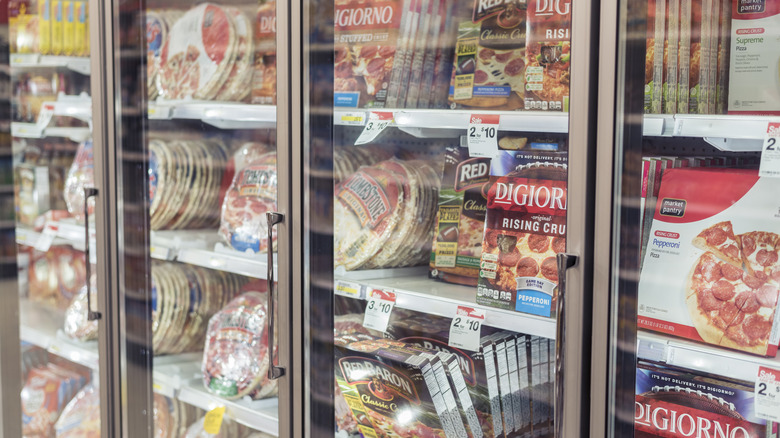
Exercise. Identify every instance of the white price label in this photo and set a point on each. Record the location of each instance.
(348, 289)
(770, 152)
(482, 135)
(47, 237)
(768, 394)
(466, 328)
(380, 306)
(352, 118)
(377, 122)
(45, 115)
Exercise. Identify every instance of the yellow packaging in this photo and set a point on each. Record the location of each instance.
(25, 29)
(44, 27)
(80, 31)
(68, 28)
(56, 27)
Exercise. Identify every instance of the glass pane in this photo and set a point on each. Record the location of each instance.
(438, 186)
(697, 333)
(195, 213)
(52, 166)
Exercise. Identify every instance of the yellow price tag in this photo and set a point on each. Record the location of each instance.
(213, 421)
(351, 118)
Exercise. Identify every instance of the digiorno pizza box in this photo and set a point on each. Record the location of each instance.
(392, 389)
(525, 227)
(711, 271)
(548, 53)
(680, 403)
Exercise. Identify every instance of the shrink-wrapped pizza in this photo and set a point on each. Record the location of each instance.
(76, 325)
(236, 356)
(81, 417)
(251, 195)
(80, 176)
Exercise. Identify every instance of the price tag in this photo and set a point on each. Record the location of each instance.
(348, 289)
(353, 118)
(380, 306)
(768, 394)
(158, 112)
(213, 420)
(47, 237)
(482, 136)
(377, 122)
(466, 328)
(45, 115)
(770, 152)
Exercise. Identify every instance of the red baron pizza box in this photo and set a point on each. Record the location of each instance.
(389, 392)
(548, 53)
(753, 76)
(525, 227)
(654, 56)
(366, 47)
(679, 403)
(711, 270)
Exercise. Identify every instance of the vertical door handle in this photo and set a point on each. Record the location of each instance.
(565, 261)
(88, 193)
(274, 372)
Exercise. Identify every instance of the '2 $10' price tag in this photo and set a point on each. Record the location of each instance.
(767, 394)
(466, 328)
(482, 135)
(770, 152)
(380, 306)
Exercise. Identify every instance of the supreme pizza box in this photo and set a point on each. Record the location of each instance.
(654, 56)
(490, 57)
(461, 218)
(487, 348)
(548, 53)
(434, 51)
(678, 403)
(525, 227)
(754, 87)
(366, 40)
(712, 60)
(724, 48)
(711, 270)
(409, 95)
(445, 54)
(671, 50)
(404, 52)
(392, 389)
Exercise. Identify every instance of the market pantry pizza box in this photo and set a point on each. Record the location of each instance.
(711, 270)
(525, 227)
(680, 403)
(754, 79)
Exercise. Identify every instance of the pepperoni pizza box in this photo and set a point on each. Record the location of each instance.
(461, 218)
(711, 270)
(548, 50)
(525, 227)
(391, 390)
(490, 57)
(678, 403)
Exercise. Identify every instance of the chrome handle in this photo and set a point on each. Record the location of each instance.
(565, 261)
(274, 372)
(88, 193)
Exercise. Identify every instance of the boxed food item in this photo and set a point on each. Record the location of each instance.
(754, 87)
(525, 227)
(684, 56)
(264, 78)
(548, 53)
(711, 270)
(81, 29)
(57, 26)
(676, 402)
(724, 48)
(671, 56)
(461, 218)
(490, 57)
(654, 56)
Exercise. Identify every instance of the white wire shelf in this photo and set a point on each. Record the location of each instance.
(725, 132)
(224, 115)
(78, 64)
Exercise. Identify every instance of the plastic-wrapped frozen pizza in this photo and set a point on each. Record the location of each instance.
(251, 195)
(81, 417)
(235, 356)
(80, 175)
(77, 326)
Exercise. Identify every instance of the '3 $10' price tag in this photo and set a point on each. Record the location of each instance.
(380, 306)
(377, 122)
(466, 328)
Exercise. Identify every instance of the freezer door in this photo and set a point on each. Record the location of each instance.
(693, 213)
(447, 161)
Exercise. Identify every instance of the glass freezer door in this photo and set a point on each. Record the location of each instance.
(191, 94)
(53, 346)
(447, 158)
(696, 217)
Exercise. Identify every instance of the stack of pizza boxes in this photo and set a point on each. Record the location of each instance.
(676, 402)
(711, 271)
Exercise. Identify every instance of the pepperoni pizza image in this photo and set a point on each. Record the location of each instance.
(523, 255)
(732, 289)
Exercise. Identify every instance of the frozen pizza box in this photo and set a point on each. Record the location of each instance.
(671, 58)
(461, 218)
(548, 53)
(391, 390)
(490, 57)
(525, 227)
(711, 270)
(754, 81)
(677, 403)
(654, 56)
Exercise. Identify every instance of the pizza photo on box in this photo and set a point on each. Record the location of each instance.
(714, 245)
